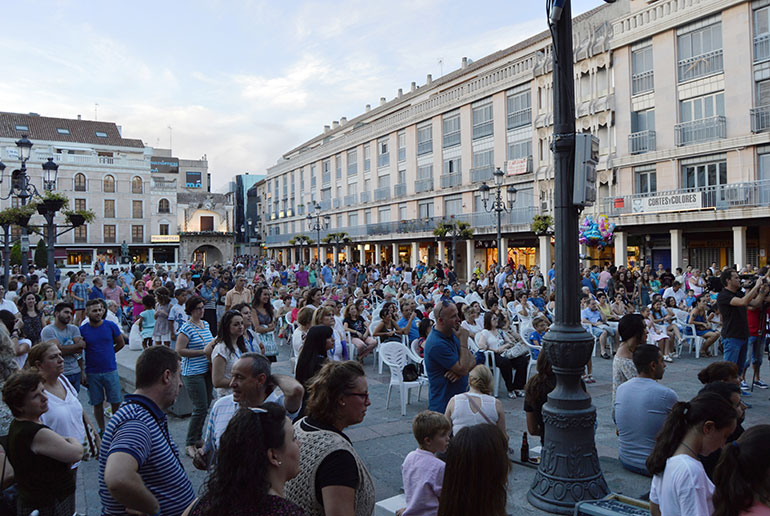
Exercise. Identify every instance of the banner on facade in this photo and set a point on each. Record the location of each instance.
(515, 167)
(668, 202)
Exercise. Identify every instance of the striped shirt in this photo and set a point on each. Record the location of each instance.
(197, 339)
(140, 428)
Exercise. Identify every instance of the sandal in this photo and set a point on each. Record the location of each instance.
(605, 355)
(590, 379)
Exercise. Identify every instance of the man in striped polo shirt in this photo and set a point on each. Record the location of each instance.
(139, 466)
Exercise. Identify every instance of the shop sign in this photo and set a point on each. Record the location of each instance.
(164, 239)
(668, 202)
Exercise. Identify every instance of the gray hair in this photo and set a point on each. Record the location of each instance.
(259, 364)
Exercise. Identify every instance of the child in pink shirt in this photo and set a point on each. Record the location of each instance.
(422, 471)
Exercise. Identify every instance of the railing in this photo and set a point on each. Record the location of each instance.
(78, 159)
(353, 169)
(520, 118)
(383, 160)
(402, 154)
(423, 185)
(399, 190)
(382, 194)
(703, 130)
(641, 142)
(450, 180)
(351, 200)
(700, 66)
(424, 147)
(326, 204)
(326, 179)
(483, 129)
(366, 197)
(760, 119)
(720, 197)
(482, 174)
(642, 82)
(451, 139)
(761, 47)
(516, 216)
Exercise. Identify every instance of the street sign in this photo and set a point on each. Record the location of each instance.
(25, 243)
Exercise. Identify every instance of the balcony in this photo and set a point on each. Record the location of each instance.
(641, 142)
(425, 147)
(383, 160)
(517, 216)
(699, 131)
(326, 179)
(761, 47)
(336, 203)
(450, 180)
(382, 194)
(520, 118)
(399, 190)
(481, 174)
(760, 119)
(326, 204)
(700, 66)
(720, 197)
(451, 139)
(351, 200)
(423, 185)
(483, 129)
(642, 82)
(366, 197)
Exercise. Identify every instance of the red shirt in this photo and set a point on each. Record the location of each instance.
(756, 322)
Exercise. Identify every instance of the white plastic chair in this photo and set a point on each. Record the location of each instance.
(532, 360)
(395, 355)
(378, 350)
(414, 347)
(688, 332)
(352, 349)
(596, 339)
(489, 361)
(458, 299)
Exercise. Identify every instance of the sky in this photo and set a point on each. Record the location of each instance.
(241, 81)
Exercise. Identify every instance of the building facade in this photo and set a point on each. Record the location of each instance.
(688, 186)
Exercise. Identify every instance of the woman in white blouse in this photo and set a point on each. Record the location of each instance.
(477, 406)
(470, 322)
(304, 320)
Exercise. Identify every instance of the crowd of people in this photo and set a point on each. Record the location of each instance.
(216, 331)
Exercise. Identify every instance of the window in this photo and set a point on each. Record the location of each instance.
(137, 234)
(425, 209)
(163, 229)
(425, 139)
(109, 233)
(702, 119)
(642, 137)
(109, 209)
(81, 234)
(401, 146)
(22, 127)
(763, 93)
(352, 162)
(453, 205)
(101, 134)
(80, 204)
(484, 159)
(402, 211)
(646, 180)
(642, 78)
(519, 110)
(700, 50)
(425, 172)
(452, 166)
(337, 166)
(482, 121)
(80, 182)
(109, 184)
(137, 187)
(368, 216)
(384, 214)
(207, 223)
(383, 156)
(62, 131)
(164, 206)
(520, 149)
(451, 128)
(353, 219)
(761, 33)
(642, 120)
(136, 209)
(367, 158)
(312, 177)
(704, 175)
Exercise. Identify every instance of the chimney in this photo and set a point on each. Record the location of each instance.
(400, 93)
(414, 86)
(343, 120)
(335, 125)
(327, 129)
(382, 101)
(465, 62)
(429, 80)
(368, 107)
(79, 117)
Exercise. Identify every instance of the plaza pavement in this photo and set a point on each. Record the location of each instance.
(385, 437)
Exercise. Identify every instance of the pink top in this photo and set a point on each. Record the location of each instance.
(758, 509)
(423, 475)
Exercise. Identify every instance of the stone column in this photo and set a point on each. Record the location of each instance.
(150, 257)
(348, 255)
(470, 248)
(544, 250)
(394, 250)
(362, 254)
(176, 255)
(377, 253)
(504, 245)
(621, 248)
(676, 249)
(739, 247)
(441, 251)
(414, 255)
(336, 253)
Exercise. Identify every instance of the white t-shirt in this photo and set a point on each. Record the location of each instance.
(65, 416)
(684, 489)
(297, 341)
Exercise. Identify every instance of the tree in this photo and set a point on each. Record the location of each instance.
(455, 230)
(337, 238)
(16, 253)
(41, 254)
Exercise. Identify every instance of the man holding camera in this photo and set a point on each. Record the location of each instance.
(732, 304)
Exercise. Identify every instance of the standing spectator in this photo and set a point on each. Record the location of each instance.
(209, 294)
(177, 316)
(228, 346)
(96, 291)
(191, 344)
(41, 459)
(263, 318)
(732, 308)
(79, 297)
(161, 333)
(5, 303)
(422, 472)
(136, 299)
(642, 396)
(756, 316)
(31, 317)
(113, 292)
(741, 478)
(239, 294)
(103, 339)
(147, 320)
(302, 277)
(447, 357)
(139, 466)
(327, 273)
(70, 342)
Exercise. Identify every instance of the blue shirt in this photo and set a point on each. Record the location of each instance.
(590, 315)
(65, 337)
(80, 290)
(538, 302)
(198, 338)
(586, 282)
(536, 339)
(96, 293)
(140, 429)
(100, 346)
(442, 352)
(326, 274)
(414, 332)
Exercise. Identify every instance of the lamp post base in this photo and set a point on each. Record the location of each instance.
(569, 470)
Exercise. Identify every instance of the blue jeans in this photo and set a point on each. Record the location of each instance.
(199, 387)
(735, 350)
(635, 469)
(74, 380)
(754, 351)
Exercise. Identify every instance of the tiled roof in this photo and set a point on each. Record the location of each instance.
(47, 129)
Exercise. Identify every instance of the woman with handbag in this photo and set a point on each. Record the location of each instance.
(477, 406)
(510, 353)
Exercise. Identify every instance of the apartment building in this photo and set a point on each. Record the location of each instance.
(688, 186)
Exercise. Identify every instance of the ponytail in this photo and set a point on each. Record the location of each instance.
(684, 416)
(741, 472)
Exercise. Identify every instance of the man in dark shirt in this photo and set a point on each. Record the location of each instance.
(732, 308)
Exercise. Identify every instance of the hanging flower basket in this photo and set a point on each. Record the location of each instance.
(79, 217)
(50, 206)
(17, 216)
(542, 225)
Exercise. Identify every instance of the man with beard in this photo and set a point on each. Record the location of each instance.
(67, 337)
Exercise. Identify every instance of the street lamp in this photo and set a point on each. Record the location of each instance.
(498, 205)
(23, 190)
(249, 222)
(318, 222)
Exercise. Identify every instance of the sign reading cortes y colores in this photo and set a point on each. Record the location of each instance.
(668, 202)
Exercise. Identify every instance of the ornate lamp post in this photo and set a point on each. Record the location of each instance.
(569, 471)
(249, 222)
(23, 189)
(499, 206)
(318, 222)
